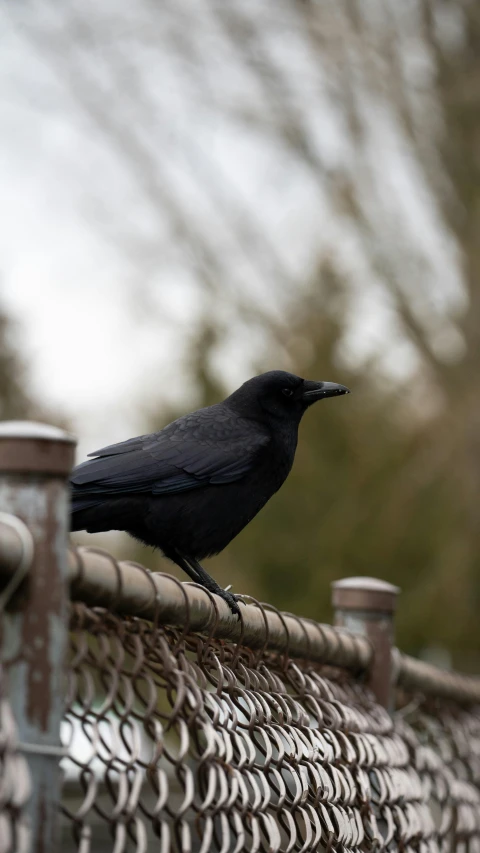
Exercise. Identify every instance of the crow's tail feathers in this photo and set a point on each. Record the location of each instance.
(80, 503)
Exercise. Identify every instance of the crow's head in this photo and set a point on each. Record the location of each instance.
(282, 395)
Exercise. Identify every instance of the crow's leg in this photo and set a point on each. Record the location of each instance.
(211, 584)
(198, 574)
(182, 562)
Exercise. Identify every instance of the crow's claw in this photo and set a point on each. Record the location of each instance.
(231, 600)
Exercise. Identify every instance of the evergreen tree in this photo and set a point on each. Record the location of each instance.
(15, 401)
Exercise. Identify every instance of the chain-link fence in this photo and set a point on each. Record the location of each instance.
(178, 742)
(178, 727)
(14, 780)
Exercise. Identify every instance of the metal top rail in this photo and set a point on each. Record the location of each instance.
(418, 676)
(96, 578)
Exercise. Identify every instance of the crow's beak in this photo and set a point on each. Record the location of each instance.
(318, 390)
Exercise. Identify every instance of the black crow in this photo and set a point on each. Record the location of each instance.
(190, 488)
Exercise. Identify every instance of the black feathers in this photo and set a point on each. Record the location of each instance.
(190, 488)
(211, 446)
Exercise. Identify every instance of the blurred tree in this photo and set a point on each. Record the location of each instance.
(365, 120)
(15, 401)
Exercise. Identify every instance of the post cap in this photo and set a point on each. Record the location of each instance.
(359, 593)
(29, 447)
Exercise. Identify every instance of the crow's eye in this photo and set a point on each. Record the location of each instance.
(287, 391)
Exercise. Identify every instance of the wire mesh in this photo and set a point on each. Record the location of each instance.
(444, 742)
(179, 742)
(15, 781)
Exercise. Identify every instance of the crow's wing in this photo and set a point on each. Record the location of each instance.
(211, 445)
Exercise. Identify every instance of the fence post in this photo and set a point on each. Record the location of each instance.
(366, 606)
(35, 460)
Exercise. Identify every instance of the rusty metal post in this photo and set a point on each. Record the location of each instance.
(366, 606)
(35, 460)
